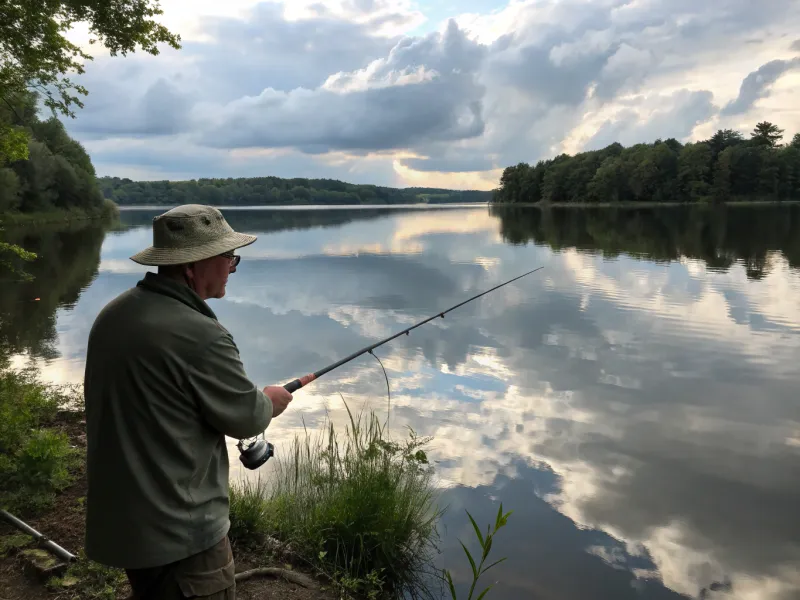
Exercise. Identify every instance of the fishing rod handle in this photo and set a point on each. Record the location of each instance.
(295, 385)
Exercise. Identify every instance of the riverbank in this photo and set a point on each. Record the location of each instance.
(108, 210)
(63, 522)
(701, 203)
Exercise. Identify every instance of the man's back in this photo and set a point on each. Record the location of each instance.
(163, 386)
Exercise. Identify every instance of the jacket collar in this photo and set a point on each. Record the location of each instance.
(159, 284)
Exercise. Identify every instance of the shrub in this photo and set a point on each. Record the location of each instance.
(360, 509)
(35, 461)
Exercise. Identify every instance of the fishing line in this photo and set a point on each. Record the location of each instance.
(388, 390)
(258, 452)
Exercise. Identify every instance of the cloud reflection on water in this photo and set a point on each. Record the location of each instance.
(641, 418)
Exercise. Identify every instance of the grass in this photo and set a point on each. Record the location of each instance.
(359, 509)
(36, 461)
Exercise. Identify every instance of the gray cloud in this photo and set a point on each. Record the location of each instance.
(795, 46)
(267, 51)
(757, 84)
(440, 103)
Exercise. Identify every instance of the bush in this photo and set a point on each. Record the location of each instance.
(360, 510)
(35, 461)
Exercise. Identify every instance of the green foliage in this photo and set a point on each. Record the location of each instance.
(55, 173)
(88, 580)
(35, 461)
(248, 515)
(273, 190)
(34, 52)
(767, 134)
(13, 143)
(724, 167)
(486, 546)
(360, 509)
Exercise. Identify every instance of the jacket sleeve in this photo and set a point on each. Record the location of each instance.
(227, 399)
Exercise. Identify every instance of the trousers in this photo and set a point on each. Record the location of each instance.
(207, 575)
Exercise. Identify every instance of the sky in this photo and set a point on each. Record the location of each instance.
(431, 92)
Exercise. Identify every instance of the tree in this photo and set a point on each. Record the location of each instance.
(766, 134)
(722, 139)
(796, 141)
(694, 170)
(35, 54)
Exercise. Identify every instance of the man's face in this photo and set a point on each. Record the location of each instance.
(210, 276)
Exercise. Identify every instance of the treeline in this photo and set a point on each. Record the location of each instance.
(273, 191)
(56, 174)
(724, 167)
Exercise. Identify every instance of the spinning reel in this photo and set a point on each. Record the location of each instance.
(256, 453)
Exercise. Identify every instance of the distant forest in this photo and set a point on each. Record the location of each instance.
(55, 171)
(725, 167)
(275, 191)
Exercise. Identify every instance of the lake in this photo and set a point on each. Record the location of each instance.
(636, 402)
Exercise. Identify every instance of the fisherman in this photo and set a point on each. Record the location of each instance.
(164, 384)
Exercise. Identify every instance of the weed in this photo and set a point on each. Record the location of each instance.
(486, 546)
(12, 542)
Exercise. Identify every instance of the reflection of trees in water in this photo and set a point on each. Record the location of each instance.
(68, 260)
(267, 221)
(718, 235)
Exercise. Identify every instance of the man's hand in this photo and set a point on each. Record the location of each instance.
(280, 398)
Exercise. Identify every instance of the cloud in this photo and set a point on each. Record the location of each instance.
(394, 103)
(655, 117)
(795, 46)
(757, 84)
(340, 82)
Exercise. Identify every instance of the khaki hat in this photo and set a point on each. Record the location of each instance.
(190, 233)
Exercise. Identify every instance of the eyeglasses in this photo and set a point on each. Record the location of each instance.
(232, 257)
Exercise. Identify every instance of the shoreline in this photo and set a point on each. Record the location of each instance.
(541, 205)
(266, 576)
(66, 216)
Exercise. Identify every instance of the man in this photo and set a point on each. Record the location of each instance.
(163, 386)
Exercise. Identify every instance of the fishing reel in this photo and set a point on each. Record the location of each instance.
(256, 453)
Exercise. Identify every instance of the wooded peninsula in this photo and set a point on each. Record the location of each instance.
(725, 167)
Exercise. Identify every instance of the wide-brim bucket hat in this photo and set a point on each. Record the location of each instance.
(190, 233)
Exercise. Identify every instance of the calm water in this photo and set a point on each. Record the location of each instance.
(635, 403)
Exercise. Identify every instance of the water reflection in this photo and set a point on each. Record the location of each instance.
(635, 403)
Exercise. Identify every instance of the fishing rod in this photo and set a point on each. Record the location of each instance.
(259, 451)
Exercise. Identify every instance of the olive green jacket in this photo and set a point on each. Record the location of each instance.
(163, 386)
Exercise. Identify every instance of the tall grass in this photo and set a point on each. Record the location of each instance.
(360, 508)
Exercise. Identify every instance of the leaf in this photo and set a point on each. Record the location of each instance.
(475, 526)
(499, 516)
(497, 562)
(483, 593)
(450, 584)
(471, 562)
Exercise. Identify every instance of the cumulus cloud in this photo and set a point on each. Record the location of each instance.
(757, 84)
(389, 105)
(371, 79)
